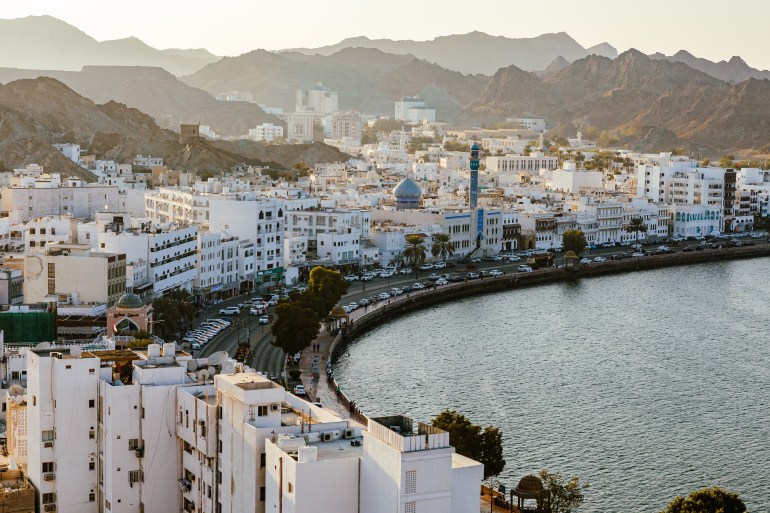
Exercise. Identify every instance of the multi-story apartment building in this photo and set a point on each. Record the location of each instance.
(52, 197)
(153, 431)
(318, 100)
(266, 132)
(168, 252)
(300, 126)
(531, 163)
(346, 125)
(67, 269)
(413, 108)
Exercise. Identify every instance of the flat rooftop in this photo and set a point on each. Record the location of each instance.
(339, 449)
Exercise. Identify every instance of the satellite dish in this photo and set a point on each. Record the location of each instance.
(228, 368)
(203, 375)
(218, 358)
(16, 390)
(192, 366)
(76, 350)
(212, 370)
(43, 345)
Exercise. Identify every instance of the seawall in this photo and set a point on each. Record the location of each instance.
(404, 304)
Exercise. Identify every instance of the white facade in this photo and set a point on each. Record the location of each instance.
(414, 109)
(266, 132)
(318, 100)
(69, 150)
(299, 127)
(531, 163)
(346, 125)
(538, 125)
(340, 248)
(47, 198)
(569, 179)
(39, 232)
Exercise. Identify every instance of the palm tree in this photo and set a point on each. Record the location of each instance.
(442, 247)
(636, 226)
(176, 311)
(415, 250)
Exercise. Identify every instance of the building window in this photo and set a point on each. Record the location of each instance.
(291, 487)
(262, 460)
(48, 466)
(133, 444)
(92, 497)
(410, 481)
(410, 507)
(262, 411)
(48, 435)
(135, 476)
(49, 498)
(91, 465)
(262, 494)
(91, 403)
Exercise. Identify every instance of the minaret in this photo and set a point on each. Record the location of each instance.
(474, 188)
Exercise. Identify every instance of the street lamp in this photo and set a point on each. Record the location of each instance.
(492, 483)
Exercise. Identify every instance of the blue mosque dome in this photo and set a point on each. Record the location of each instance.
(475, 147)
(407, 194)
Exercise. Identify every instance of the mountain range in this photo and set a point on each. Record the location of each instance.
(366, 80)
(35, 113)
(637, 101)
(156, 92)
(477, 52)
(45, 42)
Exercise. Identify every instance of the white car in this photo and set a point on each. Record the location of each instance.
(264, 320)
(426, 267)
(496, 272)
(230, 310)
(383, 295)
(299, 390)
(600, 259)
(585, 260)
(418, 286)
(514, 258)
(353, 306)
(439, 265)
(441, 281)
(405, 270)
(524, 269)
(351, 277)
(637, 255)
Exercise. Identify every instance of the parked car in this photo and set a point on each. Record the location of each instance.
(514, 258)
(367, 277)
(473, 276)
(363, 302)
(396, 291)
(426, 267)
(353, 306)
(441, 281)
(433, 276)
(585, 260)
(264, 320)
(383, 295)
(230, 310)
(256, 311)
(496, 272)
(637, 254)
(600, 259)
(524, 269)
(351, 278)
(475, 260)
(405, 270)
(439, 265)
(418, 286)
(299, 390)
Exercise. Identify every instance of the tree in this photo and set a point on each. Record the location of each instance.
(574, 240)
(295, 327)
(173, 313)
(468, 439)
(636, 226)
(558, 496)
(415, 250)
(327, 285)
(442, 247)
(707, 500)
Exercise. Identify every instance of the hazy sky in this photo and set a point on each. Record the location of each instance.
(715, 29)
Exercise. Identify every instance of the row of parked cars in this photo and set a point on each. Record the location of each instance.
(202, 335)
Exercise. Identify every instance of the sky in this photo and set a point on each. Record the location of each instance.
(714, 29)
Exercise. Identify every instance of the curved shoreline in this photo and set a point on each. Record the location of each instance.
(425, 298)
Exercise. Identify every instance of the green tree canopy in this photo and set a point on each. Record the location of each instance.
(574, 240)
(295, 327)
(558, 496)
(173, 313)
(707, 500)
(469, 439)
(636, 226)
(327, 285)
(442, 247)
(415, 250)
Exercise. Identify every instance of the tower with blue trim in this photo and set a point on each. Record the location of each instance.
(474, 188)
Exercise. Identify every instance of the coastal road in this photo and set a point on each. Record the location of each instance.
(269, 359)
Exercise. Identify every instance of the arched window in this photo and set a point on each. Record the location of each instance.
(261, 215)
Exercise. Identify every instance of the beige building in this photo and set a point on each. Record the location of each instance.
(72, 269)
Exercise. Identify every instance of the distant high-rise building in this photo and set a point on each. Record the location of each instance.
(414, 108)
(317, 99)
(346, 124)
(300, 126)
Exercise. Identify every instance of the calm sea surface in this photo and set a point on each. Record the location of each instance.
(646, 385)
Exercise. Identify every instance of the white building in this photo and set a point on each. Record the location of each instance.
(318, 100)
(570, 179)
(531, 163)
(69, 150)
(538, 125)
(40, 231)
(266, 132)
(413, 108)
(300, 126)
(346, 125)
(52, 197)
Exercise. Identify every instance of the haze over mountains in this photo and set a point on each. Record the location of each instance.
(647, 103)
(34, 113)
